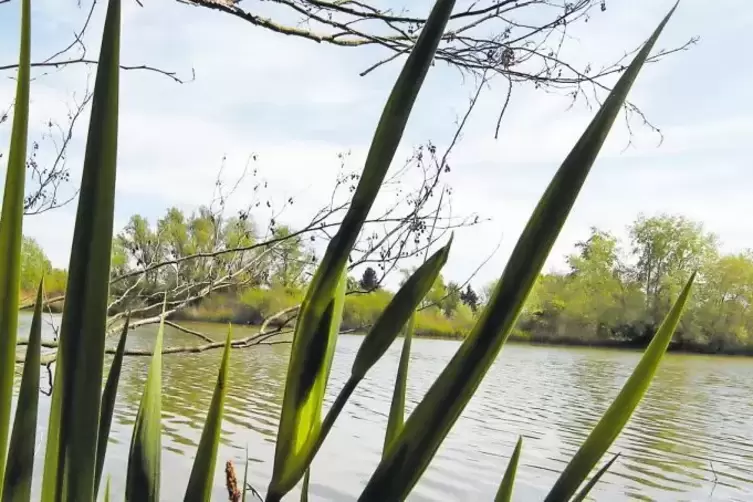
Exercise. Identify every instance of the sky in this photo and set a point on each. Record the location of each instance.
(296, 104)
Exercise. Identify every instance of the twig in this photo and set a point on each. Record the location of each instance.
(77, 61)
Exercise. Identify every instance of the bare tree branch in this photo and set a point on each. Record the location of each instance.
(494, 36)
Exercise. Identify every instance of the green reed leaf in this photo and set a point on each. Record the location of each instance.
(109, 395)
(298, 422)
(592, 482)
(20, 468)
(245, 478)
(398, 311)
(78, 375)
(310, 383)
(107, 489)
(50, 475)
(11, 235)
(426, 428)
(305, 487)
(377, 341)
(143, 475)
(397, 407)
(619, 412)
(504, 494)
(202, 473)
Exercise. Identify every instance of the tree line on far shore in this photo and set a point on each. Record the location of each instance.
(610, 293)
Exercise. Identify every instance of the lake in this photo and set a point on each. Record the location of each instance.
(690, 439)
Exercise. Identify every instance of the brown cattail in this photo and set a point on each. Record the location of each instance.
(232, 483)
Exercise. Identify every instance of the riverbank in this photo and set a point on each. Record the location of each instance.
(253, 306)
(359, 312)
(522, 338)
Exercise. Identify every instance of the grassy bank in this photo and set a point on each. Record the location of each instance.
(361, 310)
(253, 306)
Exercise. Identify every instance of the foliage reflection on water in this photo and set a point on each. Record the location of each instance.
(691, 438)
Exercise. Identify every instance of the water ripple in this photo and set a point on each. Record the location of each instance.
(691, 438)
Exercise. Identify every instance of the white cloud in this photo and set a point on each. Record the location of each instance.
(297, 104)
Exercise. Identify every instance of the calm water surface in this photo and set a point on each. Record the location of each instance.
(691, 438)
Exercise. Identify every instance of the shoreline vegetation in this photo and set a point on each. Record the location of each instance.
(523, 338)
(430, 323)
(612, 294)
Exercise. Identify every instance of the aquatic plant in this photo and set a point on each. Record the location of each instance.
(74, 456)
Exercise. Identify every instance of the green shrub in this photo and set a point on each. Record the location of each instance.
(362, 310)
(263, 303)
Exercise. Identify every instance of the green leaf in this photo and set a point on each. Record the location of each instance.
(202, 473)
(586, 489)
(78, 375)
(245, 478)
(143, 475)
(375, 344)
(300, 412)
(50, 475)
(397, 407)
(108, 404)
(310, 381)
(107, 490)
(305, 487)
(504, 494)
(619, 412)
(398, 311)
(426, 428)
(17, 484)
(11, 222)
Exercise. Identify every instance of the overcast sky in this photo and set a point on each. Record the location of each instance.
(296, 104)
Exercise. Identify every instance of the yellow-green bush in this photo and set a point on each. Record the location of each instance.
(362, 310)
(264, 302)
(432, 322)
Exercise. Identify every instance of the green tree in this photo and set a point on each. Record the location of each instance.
(722, 314)
(292, 260)
(369, 280)
(451, 300)
(34, 264)
(667, 248)
(470, 298)
(593, 286)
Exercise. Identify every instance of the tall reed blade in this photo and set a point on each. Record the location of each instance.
(202, 474)
(50, 475)
(244, 489)
(592, 482)
(311, 382)
(398, 312)
(504, 494)
(375, 344)
(107, 490)
(619, 412)
(109, 396)
(18, 475)
(298, 423)
(305, 487)
(82, 333)
(426, 428)
(11, 234)
(397, 407)
(143, 474)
